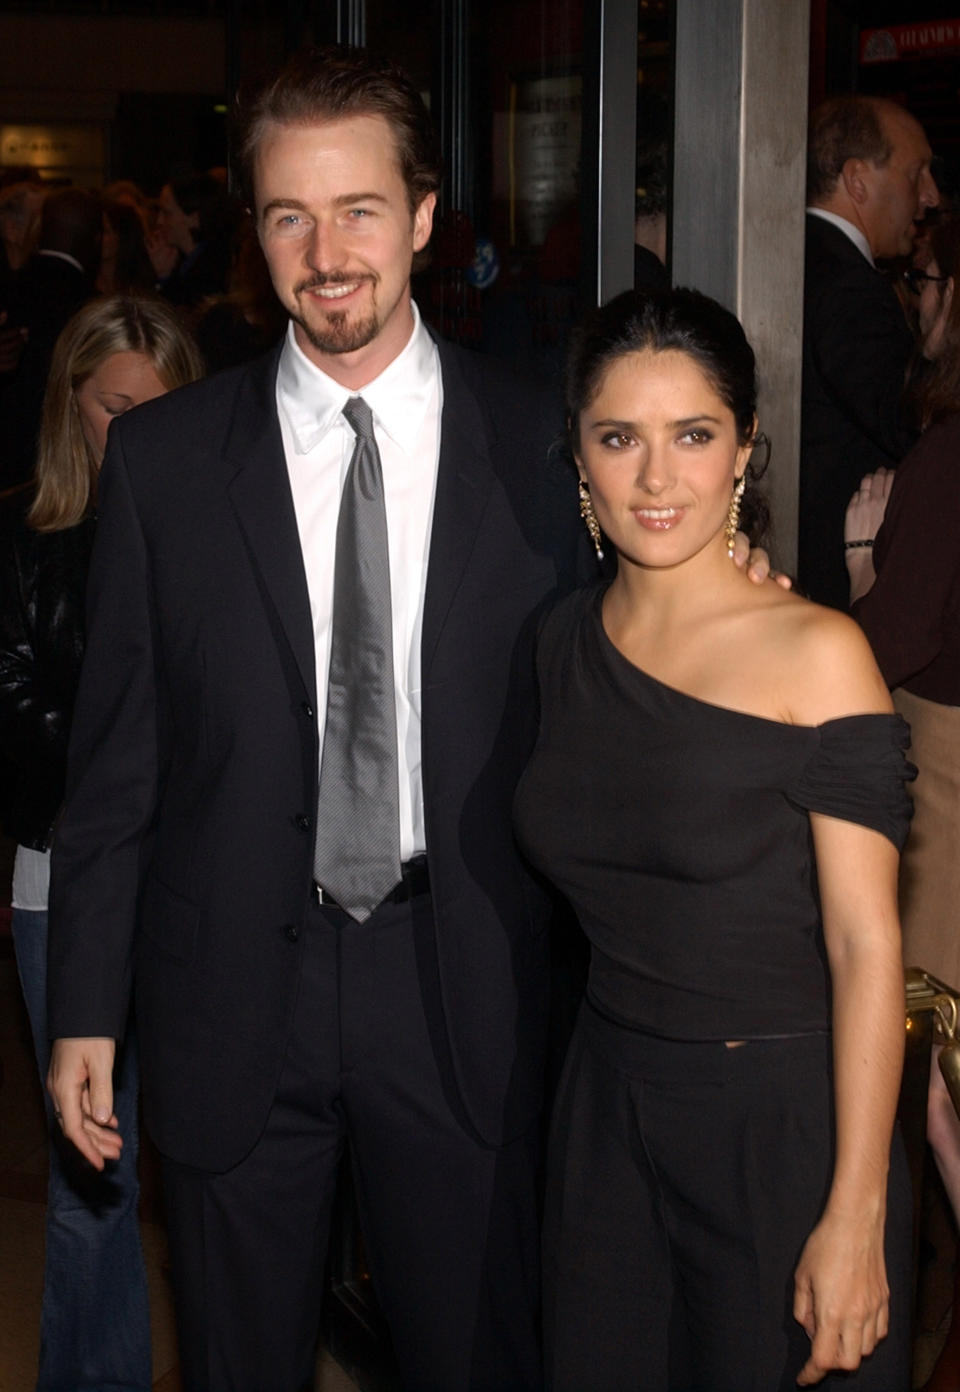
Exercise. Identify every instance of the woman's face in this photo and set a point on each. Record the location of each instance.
(121, 381)
(659, 453)
(935, 300)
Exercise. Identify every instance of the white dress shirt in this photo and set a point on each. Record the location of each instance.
(406, 401)
(847, 228)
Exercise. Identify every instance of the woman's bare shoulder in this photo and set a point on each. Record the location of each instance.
(826, 664)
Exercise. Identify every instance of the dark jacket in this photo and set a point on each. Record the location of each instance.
(185, 850)
(42, 584)
(856, 345)
(44, 295)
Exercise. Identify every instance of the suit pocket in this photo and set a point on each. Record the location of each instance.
(171, 922)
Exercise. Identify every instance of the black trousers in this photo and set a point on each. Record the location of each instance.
(683, 1181)
(449, 1223)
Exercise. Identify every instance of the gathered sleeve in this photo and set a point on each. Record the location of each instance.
(859, 773)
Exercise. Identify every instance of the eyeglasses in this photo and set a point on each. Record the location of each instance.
(915, 278)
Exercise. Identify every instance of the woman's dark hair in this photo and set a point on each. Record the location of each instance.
(683, 321)
(934, 391)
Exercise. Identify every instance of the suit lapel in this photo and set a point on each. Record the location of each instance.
(464, 480)
(260, 494)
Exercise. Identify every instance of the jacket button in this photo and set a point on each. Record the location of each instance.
(307, 710)
(302, 821)
(291, 932)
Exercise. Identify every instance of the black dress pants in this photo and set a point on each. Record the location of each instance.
(449, 1224)
(683, 1181)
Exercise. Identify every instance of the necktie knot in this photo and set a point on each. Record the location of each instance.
(359, 417)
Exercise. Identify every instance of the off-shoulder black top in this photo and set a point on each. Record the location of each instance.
(679, 831)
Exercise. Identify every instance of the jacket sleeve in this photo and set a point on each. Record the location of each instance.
(860, 345)
(111, 778)
(918, 560)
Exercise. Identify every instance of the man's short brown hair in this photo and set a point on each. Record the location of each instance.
(329, 83)
(843, 128)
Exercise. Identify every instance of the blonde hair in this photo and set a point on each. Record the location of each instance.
(66, 468)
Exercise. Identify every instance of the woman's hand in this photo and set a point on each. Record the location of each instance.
(841, 1295)
(865, 512)
(866, 508)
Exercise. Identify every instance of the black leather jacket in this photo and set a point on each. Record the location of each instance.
(42, 585)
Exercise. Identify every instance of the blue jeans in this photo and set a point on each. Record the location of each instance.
(95, 1326)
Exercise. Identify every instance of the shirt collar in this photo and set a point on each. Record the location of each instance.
(847, 228)
(313, 402)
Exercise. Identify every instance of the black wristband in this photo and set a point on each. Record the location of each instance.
(856, 545)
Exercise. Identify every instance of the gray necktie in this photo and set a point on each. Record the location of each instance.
(357, 855)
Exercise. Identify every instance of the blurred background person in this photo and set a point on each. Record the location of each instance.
(868, 185)
(650, 220)
(113, 355)
(905, 593)
(51, 286)
(233, 328)
(190, 249)
(125, 267)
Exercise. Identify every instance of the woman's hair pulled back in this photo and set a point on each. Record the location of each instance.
(683, 321)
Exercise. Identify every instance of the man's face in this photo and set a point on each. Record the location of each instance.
(339, 237)
(900, 191)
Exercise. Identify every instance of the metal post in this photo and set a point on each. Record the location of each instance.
(608, 166)
(453, 104)
(740, 152)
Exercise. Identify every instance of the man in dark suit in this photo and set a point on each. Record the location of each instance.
(869, 181)
(276, 1026)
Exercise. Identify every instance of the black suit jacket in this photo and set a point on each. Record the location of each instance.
(183, 859)
(856, 345)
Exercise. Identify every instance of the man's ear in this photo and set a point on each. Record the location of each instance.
(423, 221)
(855, 178)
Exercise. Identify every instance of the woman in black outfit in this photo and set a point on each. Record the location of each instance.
(718, 788)
(112, 355)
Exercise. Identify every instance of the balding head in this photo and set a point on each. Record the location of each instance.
(868, 160)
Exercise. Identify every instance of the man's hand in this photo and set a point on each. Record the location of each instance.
(80, 1081)
(757, 563)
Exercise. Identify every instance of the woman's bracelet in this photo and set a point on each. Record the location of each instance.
(855, 545)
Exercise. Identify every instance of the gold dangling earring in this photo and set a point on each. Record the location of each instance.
(590, 517)
(733, 514)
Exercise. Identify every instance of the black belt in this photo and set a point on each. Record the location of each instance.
(414, 879)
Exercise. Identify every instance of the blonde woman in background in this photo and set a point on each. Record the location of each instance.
(113, 355)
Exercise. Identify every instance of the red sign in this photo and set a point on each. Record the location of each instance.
(929, 40)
